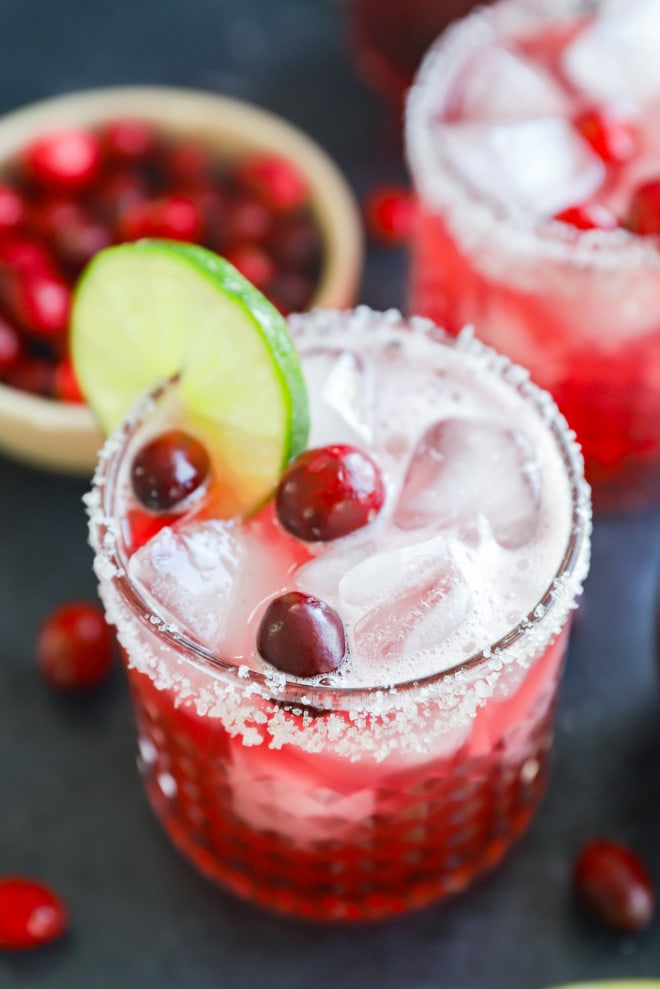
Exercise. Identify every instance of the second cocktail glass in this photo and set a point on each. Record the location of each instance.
(530, 133)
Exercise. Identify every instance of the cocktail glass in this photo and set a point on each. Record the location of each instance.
(331, 802)
(495, 158)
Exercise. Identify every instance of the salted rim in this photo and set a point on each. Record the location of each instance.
(534, 632)
(471, 213)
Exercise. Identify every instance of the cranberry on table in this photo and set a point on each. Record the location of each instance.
(390, 214)
(589, 216)
(75, 646)
(301, 635)
(31, 914)
(613, 884)
(329, 492)
(644, 211)
(168, 469)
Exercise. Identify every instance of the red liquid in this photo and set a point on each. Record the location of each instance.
(609, 396)
(427, 832)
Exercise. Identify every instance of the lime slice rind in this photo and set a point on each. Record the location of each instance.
(147, 311)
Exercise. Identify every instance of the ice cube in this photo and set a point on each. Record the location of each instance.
(616, 55)
(541, 166)
(462, 468)
(502, 85)
(187, 575)
(322, 575)
(340, 392)
(386, 575)
(426, 602)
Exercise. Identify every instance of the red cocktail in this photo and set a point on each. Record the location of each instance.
(532, 141)
(391, 780)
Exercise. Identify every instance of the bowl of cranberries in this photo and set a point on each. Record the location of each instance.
(82, 171)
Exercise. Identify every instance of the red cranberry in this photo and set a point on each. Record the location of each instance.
(12, 208)
(390, 214)
(74, 231)
(34, 375)
(129, 139)
(291, 292)
(65, 382)
(253, 263)
(296, 243)
(644, 215)
(176, 217)
(188, 163)
(167, 469)
(276, 181)
(75, 646)
(11, 348)
(65, 159)
(118, 192)
(30, 914)
(247, 220)
(134, 222)
(612, 133)
(25, 256)
(589, 216)
(42, 301)
(301, 635)
(613, 884)
(328, 492)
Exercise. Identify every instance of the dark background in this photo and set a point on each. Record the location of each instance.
(71, 809)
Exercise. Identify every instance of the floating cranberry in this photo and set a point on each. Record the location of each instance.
(128, 139)
(612, 131)
(167, 469)
(301, 635)
(30, 914)
(276, 181)
(75, 646)
(644, 214)
(328, 492)
(589, 216)
(253, 263)
(390, 214)
(12, 208)
(65, 159)
(614, 885)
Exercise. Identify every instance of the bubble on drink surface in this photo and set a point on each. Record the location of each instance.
(540, 166)
(501, 85)
(423, 599)
(462, 468)
(341, 397)
(616, 55)
(188, 574)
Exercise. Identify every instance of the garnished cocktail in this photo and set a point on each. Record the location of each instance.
(344, 695)
(533, 140)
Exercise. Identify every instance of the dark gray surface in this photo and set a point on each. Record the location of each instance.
(72, 810)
